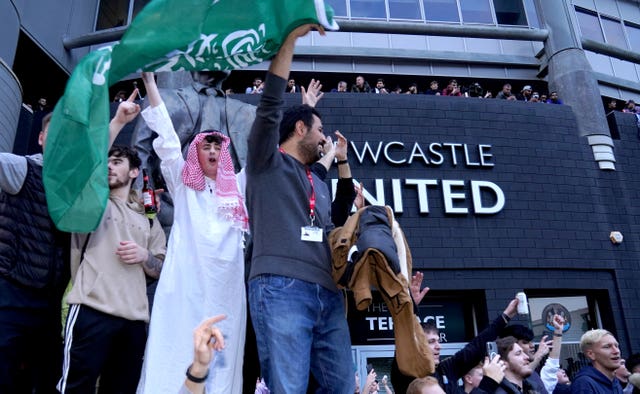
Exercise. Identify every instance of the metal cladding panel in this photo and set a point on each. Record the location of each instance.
(9, 31)
(10, 101)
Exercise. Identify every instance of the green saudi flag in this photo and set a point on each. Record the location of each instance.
(167, 35)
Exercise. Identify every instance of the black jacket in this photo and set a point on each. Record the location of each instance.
(32, 250)
(453, 368)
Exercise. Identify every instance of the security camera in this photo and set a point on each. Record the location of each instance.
(616, 237)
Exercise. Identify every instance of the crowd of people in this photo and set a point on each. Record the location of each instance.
(192, 339)
(629, 106)
(453, 88)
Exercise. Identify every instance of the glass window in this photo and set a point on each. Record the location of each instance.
(381, 365)
(510, 12)
(368, 9)
(441, 10)
(138, 5)
(575, 310)
(614, 33)
(589, 25)
(634, 36)
(532, 14)
(339, 7)
(404, 9)
(476, 11)
(112, 13)
(581, 313)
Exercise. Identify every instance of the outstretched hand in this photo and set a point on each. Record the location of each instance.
(341, 146)
(312, 94)
(416, 283)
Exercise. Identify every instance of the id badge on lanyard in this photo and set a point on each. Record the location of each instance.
(311, 233)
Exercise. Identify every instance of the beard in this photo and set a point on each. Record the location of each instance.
(309, 150)
(523, 371)
(117, 183)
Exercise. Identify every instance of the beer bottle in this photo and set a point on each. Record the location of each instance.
(148, 196)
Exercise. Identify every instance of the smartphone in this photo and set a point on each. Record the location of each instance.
(492, 350)
(369, 368)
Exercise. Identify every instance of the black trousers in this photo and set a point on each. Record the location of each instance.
(30, 350)
(101, 345)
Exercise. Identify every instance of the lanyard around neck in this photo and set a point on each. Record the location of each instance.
(312, 196)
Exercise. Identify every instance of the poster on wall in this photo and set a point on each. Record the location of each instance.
(575, 310)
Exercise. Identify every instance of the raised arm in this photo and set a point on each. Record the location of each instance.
(548, 373)
(344, 170)
(558, 325)
(153, 94)
(312, 95)
(456, 366)
(414, 287)
(126, 112)
(337, 151)
(264, 136)
(328, 154)
(281, 62)
(345, 193)
(167, 145)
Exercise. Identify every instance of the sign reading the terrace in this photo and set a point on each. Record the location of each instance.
(459, 196)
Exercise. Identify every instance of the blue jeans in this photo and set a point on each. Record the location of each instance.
(300, 327)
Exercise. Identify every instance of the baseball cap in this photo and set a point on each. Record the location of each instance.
(527, 87)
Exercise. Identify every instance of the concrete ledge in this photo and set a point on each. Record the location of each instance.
(600, 139)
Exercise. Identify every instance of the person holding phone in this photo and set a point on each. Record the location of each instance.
(485, 377)
(453, 368)
(372, 385)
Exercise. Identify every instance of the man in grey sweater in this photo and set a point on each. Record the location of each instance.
(297, 311)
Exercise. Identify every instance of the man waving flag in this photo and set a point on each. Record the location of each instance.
(167, 35)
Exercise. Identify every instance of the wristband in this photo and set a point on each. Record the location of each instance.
(194, 379)
(345, 161)
(557, 335)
